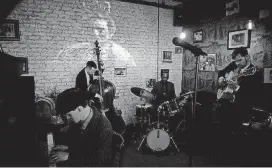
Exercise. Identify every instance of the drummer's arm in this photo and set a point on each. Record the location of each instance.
(154, 92)
(173, 93)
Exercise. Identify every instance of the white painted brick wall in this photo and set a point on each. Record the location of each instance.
(57, 38)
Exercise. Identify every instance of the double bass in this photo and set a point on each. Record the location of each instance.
(103, 107)
(107, 90)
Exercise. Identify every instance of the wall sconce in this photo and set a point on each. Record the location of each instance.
(182, 35)
(250, 25)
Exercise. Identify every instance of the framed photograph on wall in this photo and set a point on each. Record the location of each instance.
(198, 36)
(23, 64)
(120, 71)
(267, 75)
(232, 7)
(207, 63)
(167, 56)
(165, 71)
(9, 30)
(178, 50)
(239, 38)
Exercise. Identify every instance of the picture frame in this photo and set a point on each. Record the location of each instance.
(23, 64)
(198, 36)
(239, 38)
(178, 50)
(167, 56)
(165, 71)
(232, 7)
(267, 75)
(207, 63)
(9, 30)
(120, 71)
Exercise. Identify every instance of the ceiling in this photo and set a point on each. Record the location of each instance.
(169, 4)
(190, 9)
(6, 7)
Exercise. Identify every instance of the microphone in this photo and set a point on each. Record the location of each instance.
(195, 50)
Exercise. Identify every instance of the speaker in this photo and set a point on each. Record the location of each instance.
(18, 124)
(178, 17)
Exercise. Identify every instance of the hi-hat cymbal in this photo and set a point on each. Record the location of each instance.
(142, 93)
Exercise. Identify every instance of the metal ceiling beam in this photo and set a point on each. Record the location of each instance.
(142, 2)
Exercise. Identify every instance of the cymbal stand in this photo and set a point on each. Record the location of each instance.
(144, 136)
(171, 137)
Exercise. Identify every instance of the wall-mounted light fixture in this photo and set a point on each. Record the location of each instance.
(250, 25)
(182, 35)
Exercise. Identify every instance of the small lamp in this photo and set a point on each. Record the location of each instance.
(250, 25)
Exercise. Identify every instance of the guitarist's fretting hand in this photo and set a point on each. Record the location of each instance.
(221, 81)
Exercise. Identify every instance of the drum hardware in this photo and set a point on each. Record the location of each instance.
(181, 126)
(143, 113)
(157, 137)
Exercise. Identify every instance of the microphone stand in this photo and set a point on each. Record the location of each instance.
(197, 52)
(194, 103)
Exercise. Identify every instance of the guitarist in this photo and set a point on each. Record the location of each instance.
(245, 90)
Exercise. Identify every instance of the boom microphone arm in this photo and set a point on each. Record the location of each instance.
(195, 50)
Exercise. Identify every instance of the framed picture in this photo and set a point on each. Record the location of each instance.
(120, 71)
(9, 30)
(165, 71)
(198, 36)
(23, 64)
(232, 7)
(267, 75)
(167, 56)
(239, 38)
(178, 50)
(207, 63)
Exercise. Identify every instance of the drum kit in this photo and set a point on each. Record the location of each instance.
(157, 132)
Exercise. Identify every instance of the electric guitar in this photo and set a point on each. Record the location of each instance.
(230, 84)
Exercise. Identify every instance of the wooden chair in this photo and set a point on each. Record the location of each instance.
(117, 149)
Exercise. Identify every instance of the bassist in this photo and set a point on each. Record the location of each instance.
(242, 93)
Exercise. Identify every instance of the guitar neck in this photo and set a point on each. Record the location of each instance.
(244, 73)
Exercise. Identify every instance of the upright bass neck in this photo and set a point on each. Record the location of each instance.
(101, 83)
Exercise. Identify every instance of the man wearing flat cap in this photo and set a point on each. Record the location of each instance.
(88, 140)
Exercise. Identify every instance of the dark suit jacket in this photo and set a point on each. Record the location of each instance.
(250, 91)
(158, 91)
(91, 147)
(81, 80)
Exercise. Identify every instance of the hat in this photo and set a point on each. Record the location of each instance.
(70, 99)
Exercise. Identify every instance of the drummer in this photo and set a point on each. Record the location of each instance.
(163, 91)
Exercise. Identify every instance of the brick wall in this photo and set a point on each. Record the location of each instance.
(57, 38)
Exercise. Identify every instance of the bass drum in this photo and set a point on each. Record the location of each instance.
(158, 138)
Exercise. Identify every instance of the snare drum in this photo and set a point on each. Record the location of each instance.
(143, 111)
(158, 138)
(169, 108)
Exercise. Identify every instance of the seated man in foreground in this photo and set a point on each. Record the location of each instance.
(88, 139)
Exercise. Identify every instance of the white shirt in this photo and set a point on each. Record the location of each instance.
(87, 77)
(242, 70)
